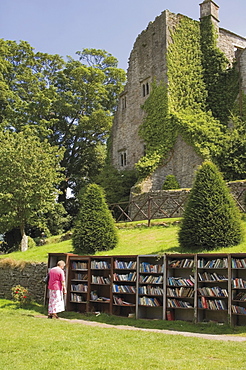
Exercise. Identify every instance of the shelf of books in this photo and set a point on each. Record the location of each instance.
(150, 287)
(124, 285)
(189, 287)
(213, 288)
(77, 287)
(100, 284)
(180, 287)
(238, 289)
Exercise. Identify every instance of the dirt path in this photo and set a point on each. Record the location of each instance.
(224, 337)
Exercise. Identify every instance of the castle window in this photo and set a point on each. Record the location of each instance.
(144, 93)
(145, 88)
(122, 159)
(123, 101)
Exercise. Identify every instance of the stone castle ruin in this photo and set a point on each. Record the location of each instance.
(148, 63)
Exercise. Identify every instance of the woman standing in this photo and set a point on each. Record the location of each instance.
(56, 288)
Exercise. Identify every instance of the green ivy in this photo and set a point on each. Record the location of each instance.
(197, 103)
(222, 81)
(185, 73)
(157, 129)
(170, 183)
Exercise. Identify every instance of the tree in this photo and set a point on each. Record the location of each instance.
(30, 172)
(95, 229)
(69, 103)
(116, 184)
(211, 219)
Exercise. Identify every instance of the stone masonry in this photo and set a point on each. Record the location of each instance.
(29, 276)
(148, 61)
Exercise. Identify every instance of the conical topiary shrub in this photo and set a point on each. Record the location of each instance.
(211, 219)
(95, 229)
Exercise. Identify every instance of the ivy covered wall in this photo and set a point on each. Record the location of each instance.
(198, 103)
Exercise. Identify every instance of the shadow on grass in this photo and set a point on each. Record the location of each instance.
(12, 305)
(206, 328)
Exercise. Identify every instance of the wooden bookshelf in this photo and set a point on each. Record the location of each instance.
(238, 289)
(188, 287)
(180, 287)
(100, 294)
(124, 274)
(150, 287)
(213, 287)
(78, 284)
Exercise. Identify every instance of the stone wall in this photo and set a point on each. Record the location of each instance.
(229, 42)
(243, 69)
(147, 62)
(30, 276)
(182, 162)
(170, 203)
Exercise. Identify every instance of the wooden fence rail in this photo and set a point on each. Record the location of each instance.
(153, 207)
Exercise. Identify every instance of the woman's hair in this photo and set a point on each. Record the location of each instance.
(61, 263)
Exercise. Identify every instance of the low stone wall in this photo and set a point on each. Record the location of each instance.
(170, 203)
(28, 275)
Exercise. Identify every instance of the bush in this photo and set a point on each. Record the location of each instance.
(211, 219)
(95, 229)
(170, 183)
(31, 242)
(21, 295)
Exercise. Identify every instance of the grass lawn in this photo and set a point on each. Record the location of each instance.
(28, 342)
(132, 240)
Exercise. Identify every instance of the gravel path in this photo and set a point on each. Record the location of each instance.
(224, 337)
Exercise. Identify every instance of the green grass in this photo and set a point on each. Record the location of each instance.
(134, 238)
(28, 342)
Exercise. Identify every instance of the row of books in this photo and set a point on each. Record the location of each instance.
(149, 279)
(147, 301)
(179, 281)
(184, 263)
(123, 288)
(237, 263)
(207, 276)
(77, 298)
(241, 296)
(101, 265)
(79, 288)
(216, 263)
(175, 303)
(147, 267)
(213, 291)
(120, 302)
(132, 276)
(125, 265)
(100, 279)
(212, 304)
(79, 276)
(238, 283)
(238, 310)
(180, 292)
(77, 265)
(150, 290)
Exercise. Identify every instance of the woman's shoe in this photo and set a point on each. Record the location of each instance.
(50, 316)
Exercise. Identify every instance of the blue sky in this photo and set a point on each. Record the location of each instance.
(66, 26)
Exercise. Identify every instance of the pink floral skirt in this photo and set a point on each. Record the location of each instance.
(56, 301)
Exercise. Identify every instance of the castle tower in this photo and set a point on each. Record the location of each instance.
(209, 8)
(148, 62)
